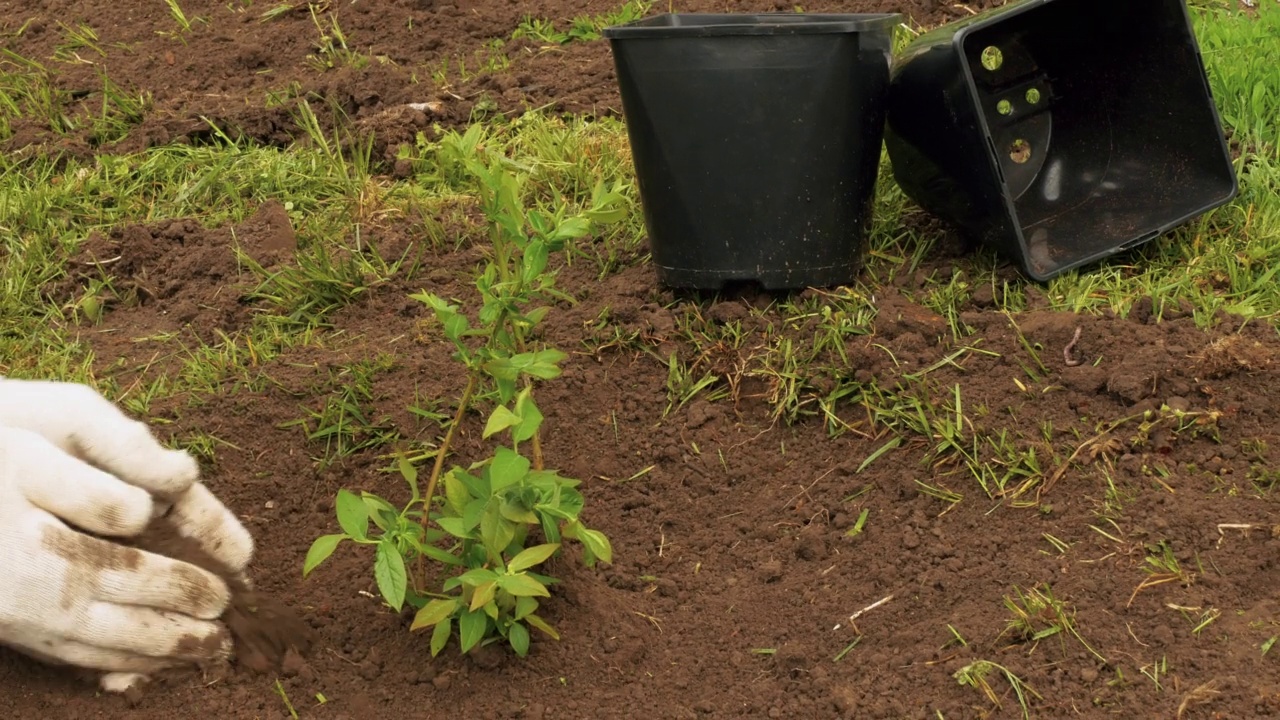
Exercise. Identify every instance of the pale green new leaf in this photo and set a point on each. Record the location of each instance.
(597, 544)
(455, 527)
(389, 572)
(440, 636)
(432, 613)
(320, 551)
(531, 557)
(455, 493)
(508, 468)
(353, 514)
(530, 417)
(542, 625)
(483, 595)
(523, 586)
(501, 419)
(496, 531)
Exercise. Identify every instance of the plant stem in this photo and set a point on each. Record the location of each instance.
(438, 467)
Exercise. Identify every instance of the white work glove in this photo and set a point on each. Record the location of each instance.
(71, 463)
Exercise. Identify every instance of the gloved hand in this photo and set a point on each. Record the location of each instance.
(71, 463)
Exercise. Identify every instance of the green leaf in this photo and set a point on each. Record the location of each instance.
(434, 612)
(523, 586)
(502, 368)
(454, 323)
(550, 356)
(410, 475)
(524, 606)
(495, 531)
(550, 528)
(572, 228)
(389, 572)
(538, 220)
(455, 527)
(535, 261)
(542, 625)
(440, 636)
(517, 514)
(597, 544)
(551, 481)
(530, 417)
(471, 627)
(455, 493)
(571, 501)
(476, 486)
(483, 594)
(518, 636)
(476, 577)
(381, 512)
(536, 315)
(506, 388)
(472, 513)
(320, 551)
(543, 364)
(530, 557)
(353, 514)
(439, 555)
(508, 468)
(500, 420)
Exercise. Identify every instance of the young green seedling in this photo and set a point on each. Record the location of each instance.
(499, 518)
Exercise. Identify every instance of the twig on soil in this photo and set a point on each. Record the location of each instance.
(1151, 582)
(650, 618)
(1135, 637)
(1066, 351)
(859, 613)
(1100, 437)
(1199, 696)
(1246, 527)
(99, 263)
(806, 490)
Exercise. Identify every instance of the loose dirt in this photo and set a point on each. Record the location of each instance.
(263, 629)
(736, 572)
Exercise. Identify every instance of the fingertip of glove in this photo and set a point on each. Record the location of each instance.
(122, 682)
(201, 516)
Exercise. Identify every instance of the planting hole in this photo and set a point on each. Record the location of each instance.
(1004, 107)
(1020, 151)
(1033, 96)
(992, 58)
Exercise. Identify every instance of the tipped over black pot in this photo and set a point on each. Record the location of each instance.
(1060, 132)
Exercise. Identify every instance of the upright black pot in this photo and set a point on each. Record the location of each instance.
(756, 140)
(1060, 131)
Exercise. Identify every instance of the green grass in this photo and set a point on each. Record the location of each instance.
(1224, 260)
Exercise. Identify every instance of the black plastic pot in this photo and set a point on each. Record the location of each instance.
(756, 140)
(1060, 132)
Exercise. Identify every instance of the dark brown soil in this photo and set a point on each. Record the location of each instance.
(735, 573)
